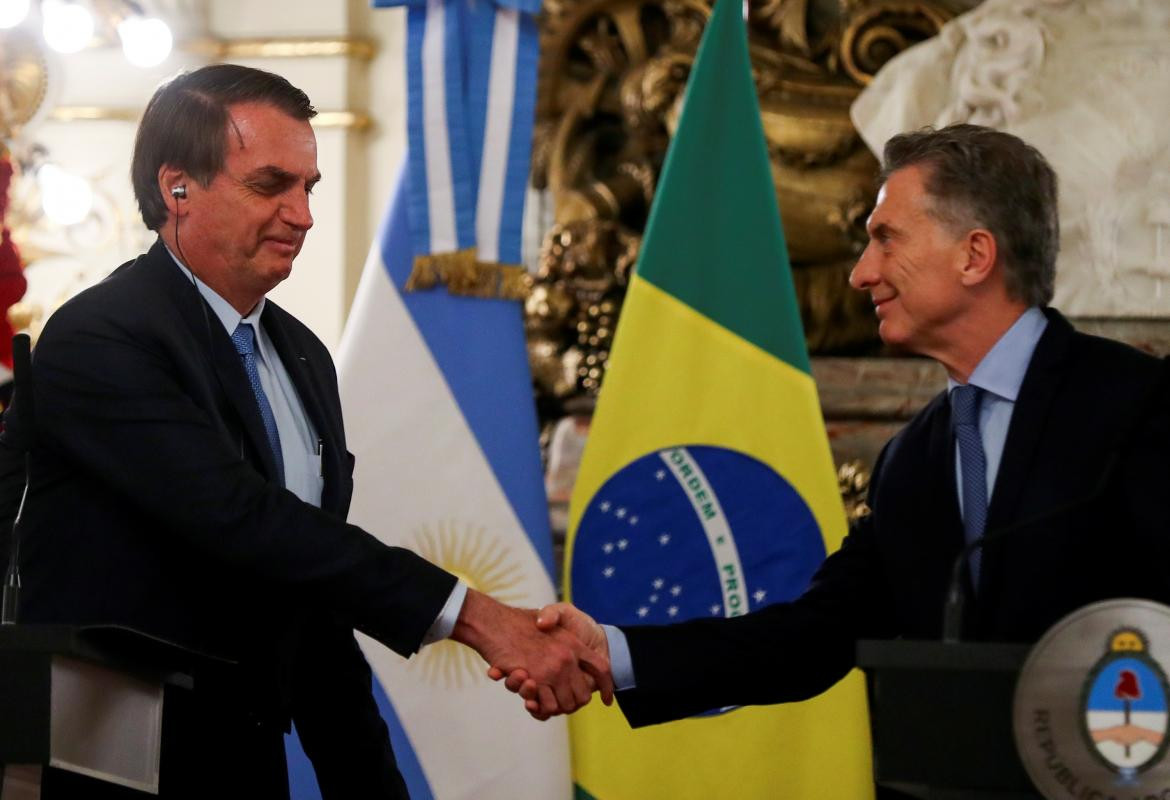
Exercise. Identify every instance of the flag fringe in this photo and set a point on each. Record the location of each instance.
(464, 275)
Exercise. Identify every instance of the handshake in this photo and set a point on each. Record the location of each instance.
(554, 658)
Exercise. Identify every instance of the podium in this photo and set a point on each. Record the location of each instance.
(941, 718)
(87, 700)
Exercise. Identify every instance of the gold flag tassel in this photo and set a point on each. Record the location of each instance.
(463, 275)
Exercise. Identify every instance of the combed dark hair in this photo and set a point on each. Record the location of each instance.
(983, 178)
(185, 125)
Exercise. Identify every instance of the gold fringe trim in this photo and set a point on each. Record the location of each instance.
(463, 275)
(431, 270)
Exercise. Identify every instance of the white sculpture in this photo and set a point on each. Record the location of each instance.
(1088, 83)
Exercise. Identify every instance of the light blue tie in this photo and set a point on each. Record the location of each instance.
(965, 417)
(244, 339)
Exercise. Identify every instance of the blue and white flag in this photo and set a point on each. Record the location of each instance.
(471, 85)
(438, 399)
(438, 407)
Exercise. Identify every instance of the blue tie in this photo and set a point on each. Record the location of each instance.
(244, 339)
(965, 416)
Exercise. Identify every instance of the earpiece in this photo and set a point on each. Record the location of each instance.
(179, 192)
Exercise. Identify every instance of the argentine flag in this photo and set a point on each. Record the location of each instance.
(438, 409)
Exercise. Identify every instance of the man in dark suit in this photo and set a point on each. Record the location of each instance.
(190, 476)
(1052, 443)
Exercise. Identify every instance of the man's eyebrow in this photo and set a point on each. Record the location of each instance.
(275, 174)
(882, 230)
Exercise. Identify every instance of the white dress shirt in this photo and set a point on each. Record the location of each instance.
(299, 443)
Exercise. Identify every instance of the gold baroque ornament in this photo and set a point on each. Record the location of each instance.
(482, 561)
(878, 33)
(853, 483)
(572, 311)
(611, 81)
(24, 80)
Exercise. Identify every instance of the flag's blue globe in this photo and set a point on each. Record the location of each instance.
(692, 531)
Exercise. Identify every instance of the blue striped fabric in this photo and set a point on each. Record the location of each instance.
(520, 142)
(451, 96)
(479, 344)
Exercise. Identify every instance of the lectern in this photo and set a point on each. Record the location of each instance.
(87, 700)
(941, 718)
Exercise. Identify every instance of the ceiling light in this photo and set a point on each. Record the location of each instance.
(146, 41)
(68, 26)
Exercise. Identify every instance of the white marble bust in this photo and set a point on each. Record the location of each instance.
(1088, 83)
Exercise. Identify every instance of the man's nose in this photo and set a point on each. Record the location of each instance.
(295, 211)
(864, 273)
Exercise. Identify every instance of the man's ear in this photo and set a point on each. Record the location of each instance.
(174, 185)
(982, 253)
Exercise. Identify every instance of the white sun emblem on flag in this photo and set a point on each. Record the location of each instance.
(480, 560)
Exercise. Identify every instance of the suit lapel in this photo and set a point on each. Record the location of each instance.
(1042, 383)
(941, 458)
(946, 524)
(216, 346)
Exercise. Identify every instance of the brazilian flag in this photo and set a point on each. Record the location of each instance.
(707, 487)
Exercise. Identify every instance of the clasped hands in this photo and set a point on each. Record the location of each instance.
(554, 659)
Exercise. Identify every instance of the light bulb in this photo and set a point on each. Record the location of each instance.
(12, 12)
(68, 26)
(146, 41)
(65, 197)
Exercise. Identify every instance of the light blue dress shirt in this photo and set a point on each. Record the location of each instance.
(999, 374)
(300, 446)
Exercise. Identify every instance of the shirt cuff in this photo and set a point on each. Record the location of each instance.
(621, 665)
(444, 624)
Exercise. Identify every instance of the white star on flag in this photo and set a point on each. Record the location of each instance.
(672, 611)
(758, 595)
(633, 520)
(620, 513)
(604, 507)
(715, 609)
(623, 544)
(676, 590)
(660, 475)
(658, 583)
(643, 611)
(607, 547)
(607, 572)
(653, 598)
(664, 539)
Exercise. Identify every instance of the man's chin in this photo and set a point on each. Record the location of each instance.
(893, 338)
(273, 272)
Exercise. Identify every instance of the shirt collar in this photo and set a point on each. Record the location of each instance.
(1001, 371)
(227, 315)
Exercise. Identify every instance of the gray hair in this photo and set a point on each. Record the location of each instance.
(983, 178)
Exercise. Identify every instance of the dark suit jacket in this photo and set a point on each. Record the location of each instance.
(152, 504)
(1080, 483)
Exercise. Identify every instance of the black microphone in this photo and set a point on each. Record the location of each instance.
(956, 602)
(18, 436)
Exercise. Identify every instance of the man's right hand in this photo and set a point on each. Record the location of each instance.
(558, 670)
(566, 617)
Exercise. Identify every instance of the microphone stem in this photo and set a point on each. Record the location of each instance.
(12, 584)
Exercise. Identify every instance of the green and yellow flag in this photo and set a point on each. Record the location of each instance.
(707, 487)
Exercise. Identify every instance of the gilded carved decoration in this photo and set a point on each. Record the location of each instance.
(611, 82)
(853, 484)
(24, 81)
